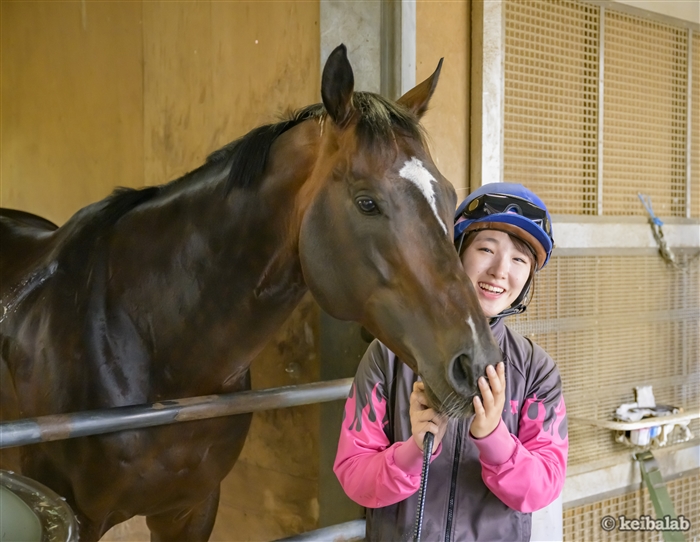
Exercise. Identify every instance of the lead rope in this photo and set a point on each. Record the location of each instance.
(427, 452)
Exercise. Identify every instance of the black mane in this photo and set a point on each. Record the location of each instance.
(378, 121)
(248, 155)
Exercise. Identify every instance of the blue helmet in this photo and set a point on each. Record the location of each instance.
(511, 208)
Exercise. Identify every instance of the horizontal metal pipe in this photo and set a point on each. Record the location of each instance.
(343, 532)
(96, 422)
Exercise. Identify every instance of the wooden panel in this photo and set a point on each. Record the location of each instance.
(178, 95)
(72, 120)
(271, 62)
(215, 70)
(442, 30)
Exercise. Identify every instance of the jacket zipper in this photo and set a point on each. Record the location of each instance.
(453, 482)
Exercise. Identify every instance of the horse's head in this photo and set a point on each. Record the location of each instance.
(387, 260)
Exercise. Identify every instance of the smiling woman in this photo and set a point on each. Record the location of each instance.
(506, 461)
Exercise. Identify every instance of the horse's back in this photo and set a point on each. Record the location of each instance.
(27, 219)
(24, 237)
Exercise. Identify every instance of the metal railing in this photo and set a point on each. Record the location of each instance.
(343, 532)
(96, 422)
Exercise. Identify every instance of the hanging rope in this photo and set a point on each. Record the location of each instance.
(658, 233)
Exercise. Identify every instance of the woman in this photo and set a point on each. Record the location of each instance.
(489, 472)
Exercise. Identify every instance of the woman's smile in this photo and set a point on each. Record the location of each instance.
(491, 289)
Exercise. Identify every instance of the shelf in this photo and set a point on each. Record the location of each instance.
(644, 423)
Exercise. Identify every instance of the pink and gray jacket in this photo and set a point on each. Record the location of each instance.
(478, 489)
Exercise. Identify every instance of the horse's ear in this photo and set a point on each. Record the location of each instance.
(337, 85)
(416, 100)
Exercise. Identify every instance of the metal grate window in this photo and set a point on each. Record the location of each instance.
(612, 323)
(584, 522)
(644, 144)
(555, 140)
(551, 79)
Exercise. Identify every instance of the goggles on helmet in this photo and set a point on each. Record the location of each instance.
(491, 204)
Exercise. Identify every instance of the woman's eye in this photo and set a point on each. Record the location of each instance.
(367, 205)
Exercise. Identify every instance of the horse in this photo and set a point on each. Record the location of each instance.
(171, 291)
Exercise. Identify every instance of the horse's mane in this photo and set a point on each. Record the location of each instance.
(248, 155)
(378, 121)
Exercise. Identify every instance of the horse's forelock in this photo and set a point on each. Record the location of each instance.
(379, 120)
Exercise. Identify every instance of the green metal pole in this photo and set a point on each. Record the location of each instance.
(651, 474)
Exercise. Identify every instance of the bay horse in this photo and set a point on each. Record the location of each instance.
(171, 291)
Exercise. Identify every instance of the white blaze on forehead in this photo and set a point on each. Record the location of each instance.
(415, 172)
(471, 325)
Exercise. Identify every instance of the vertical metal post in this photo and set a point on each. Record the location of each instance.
(398, 47)
(601, 106)
(487, 92)
(389, 49)
(340, 348)
(688, 126)
(408, 45)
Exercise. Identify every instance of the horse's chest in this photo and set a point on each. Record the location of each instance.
(161, 468)
(190, 446)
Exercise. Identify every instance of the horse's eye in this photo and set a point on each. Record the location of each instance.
(367, 205)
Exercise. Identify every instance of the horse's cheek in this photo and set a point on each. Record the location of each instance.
(322, 263)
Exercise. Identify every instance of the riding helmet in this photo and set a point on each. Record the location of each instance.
(511, 208)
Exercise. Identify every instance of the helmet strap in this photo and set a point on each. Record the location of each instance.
(461, 242)
(521, 302)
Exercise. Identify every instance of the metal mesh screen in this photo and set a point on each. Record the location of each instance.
(550, 122)
(583, 522)
(645, 100)
(695, 128)
(612, 323)
(552, 58)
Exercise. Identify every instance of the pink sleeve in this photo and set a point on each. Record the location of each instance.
(372, 472)
(527, 473)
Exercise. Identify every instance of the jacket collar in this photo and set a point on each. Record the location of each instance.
(498, 328)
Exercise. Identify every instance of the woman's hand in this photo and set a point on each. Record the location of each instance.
(424, 418)
(488, 408)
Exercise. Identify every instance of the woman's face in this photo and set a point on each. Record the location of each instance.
(497, 268)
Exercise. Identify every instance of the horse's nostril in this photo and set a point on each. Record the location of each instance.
(461, 370)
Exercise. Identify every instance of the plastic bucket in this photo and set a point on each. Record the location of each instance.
(31, 512)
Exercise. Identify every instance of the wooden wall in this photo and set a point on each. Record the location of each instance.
(72, 104)
(101, 94)
(442, 30)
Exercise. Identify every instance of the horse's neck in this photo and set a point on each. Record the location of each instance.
(224, 269)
